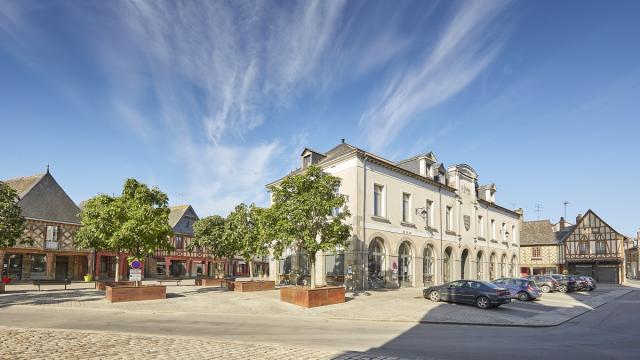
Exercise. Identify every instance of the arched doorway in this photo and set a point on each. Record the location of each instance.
(479, 266)
(492, 267)
(464, 274)
(512, 266)
(428, 267)
(447, 265)
(376, 264)
(503, 268)
(405, 274)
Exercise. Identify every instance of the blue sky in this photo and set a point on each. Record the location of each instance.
(212, 100)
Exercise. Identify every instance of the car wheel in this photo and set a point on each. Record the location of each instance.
(483, 302)
(523, 296)
(434, 296)
(545, 288)
(590, 288)
(562, 288)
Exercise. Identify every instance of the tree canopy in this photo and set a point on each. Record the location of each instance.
(308, 212)
(244, 233)
(136, 222)
(11, 220)
(208, 234)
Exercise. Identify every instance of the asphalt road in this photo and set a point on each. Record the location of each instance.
(612, 331)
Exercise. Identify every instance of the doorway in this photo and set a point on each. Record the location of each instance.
(62, 267)
(463, 264)
(405, 274)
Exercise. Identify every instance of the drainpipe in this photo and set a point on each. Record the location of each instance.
(441, 250)
(364, 220)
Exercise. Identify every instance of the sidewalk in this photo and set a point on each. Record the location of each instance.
(402, 305)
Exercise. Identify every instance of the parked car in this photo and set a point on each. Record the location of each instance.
(590, 282)
(481, 293)
(545, 282)
(521, 289)
(581, 284)
(565, 283)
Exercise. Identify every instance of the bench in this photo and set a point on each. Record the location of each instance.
(64, 282)
(177, 280)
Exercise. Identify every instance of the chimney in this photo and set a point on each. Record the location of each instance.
(342, 140)
(563, 223)
(578, 218)
(519, 211)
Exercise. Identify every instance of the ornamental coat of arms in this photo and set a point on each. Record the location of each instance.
(467, 222)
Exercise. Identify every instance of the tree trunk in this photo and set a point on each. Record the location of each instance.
(251, 269)
(312, 268)
(1, 263)
(117, 267)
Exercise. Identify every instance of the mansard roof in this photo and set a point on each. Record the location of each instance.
(539, 232)
(41, 197)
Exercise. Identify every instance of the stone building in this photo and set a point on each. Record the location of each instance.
(52, 221)
(540, 249)
(414, 222)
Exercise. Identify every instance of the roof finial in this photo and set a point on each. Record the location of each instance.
(47, 168)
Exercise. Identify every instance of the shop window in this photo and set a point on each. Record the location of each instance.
(38, 264)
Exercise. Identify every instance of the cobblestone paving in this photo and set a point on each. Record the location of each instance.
(71, 344)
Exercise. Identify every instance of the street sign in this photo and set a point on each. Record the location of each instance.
(135, 275)
(136, 264)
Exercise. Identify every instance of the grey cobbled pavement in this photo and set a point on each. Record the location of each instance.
(22, 343)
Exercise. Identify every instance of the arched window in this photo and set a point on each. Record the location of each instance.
(492, 267)
(503, 266)
(512, 266)
(376, 267)
(405, 274)
(428, 264)
(447, 264)
(479, 260)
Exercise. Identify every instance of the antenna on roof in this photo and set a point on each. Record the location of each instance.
(538, 210)
(565, 203)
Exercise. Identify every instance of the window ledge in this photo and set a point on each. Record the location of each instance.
(480, 238)
(449, 232)
(494, 241)
(380, 219)
(431, 229)
(408, 224)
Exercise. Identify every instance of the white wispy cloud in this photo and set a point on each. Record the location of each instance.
(469, 43)
(214, 68)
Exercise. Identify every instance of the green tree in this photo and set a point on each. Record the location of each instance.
(11, 220)
(209, 235)
(244, 234)
(136, 222)
(309, 213)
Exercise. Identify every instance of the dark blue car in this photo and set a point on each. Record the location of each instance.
(521, 289)
(481, 293)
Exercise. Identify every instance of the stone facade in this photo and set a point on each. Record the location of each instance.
(414, 222)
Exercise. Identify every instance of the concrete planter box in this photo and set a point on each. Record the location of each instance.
(255, 285)
(307, 297)
(211, 282)
(102, 285)
(135, 293)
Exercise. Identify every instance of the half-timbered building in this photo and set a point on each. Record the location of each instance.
(592, 247)
(46, 249)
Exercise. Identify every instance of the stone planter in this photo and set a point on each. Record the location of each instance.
(254, 285)
(211, 282)
(101, 285)
(135, 293)
(307, 297)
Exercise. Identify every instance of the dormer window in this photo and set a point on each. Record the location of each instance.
(306, 161)
(428, 170)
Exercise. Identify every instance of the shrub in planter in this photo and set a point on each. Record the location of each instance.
(88, 278)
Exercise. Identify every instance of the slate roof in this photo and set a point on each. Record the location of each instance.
(42, 198)
(176, 213)
(538, 232)
(560, 235)
(22, 185)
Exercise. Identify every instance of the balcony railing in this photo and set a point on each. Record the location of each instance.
(51, 245)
